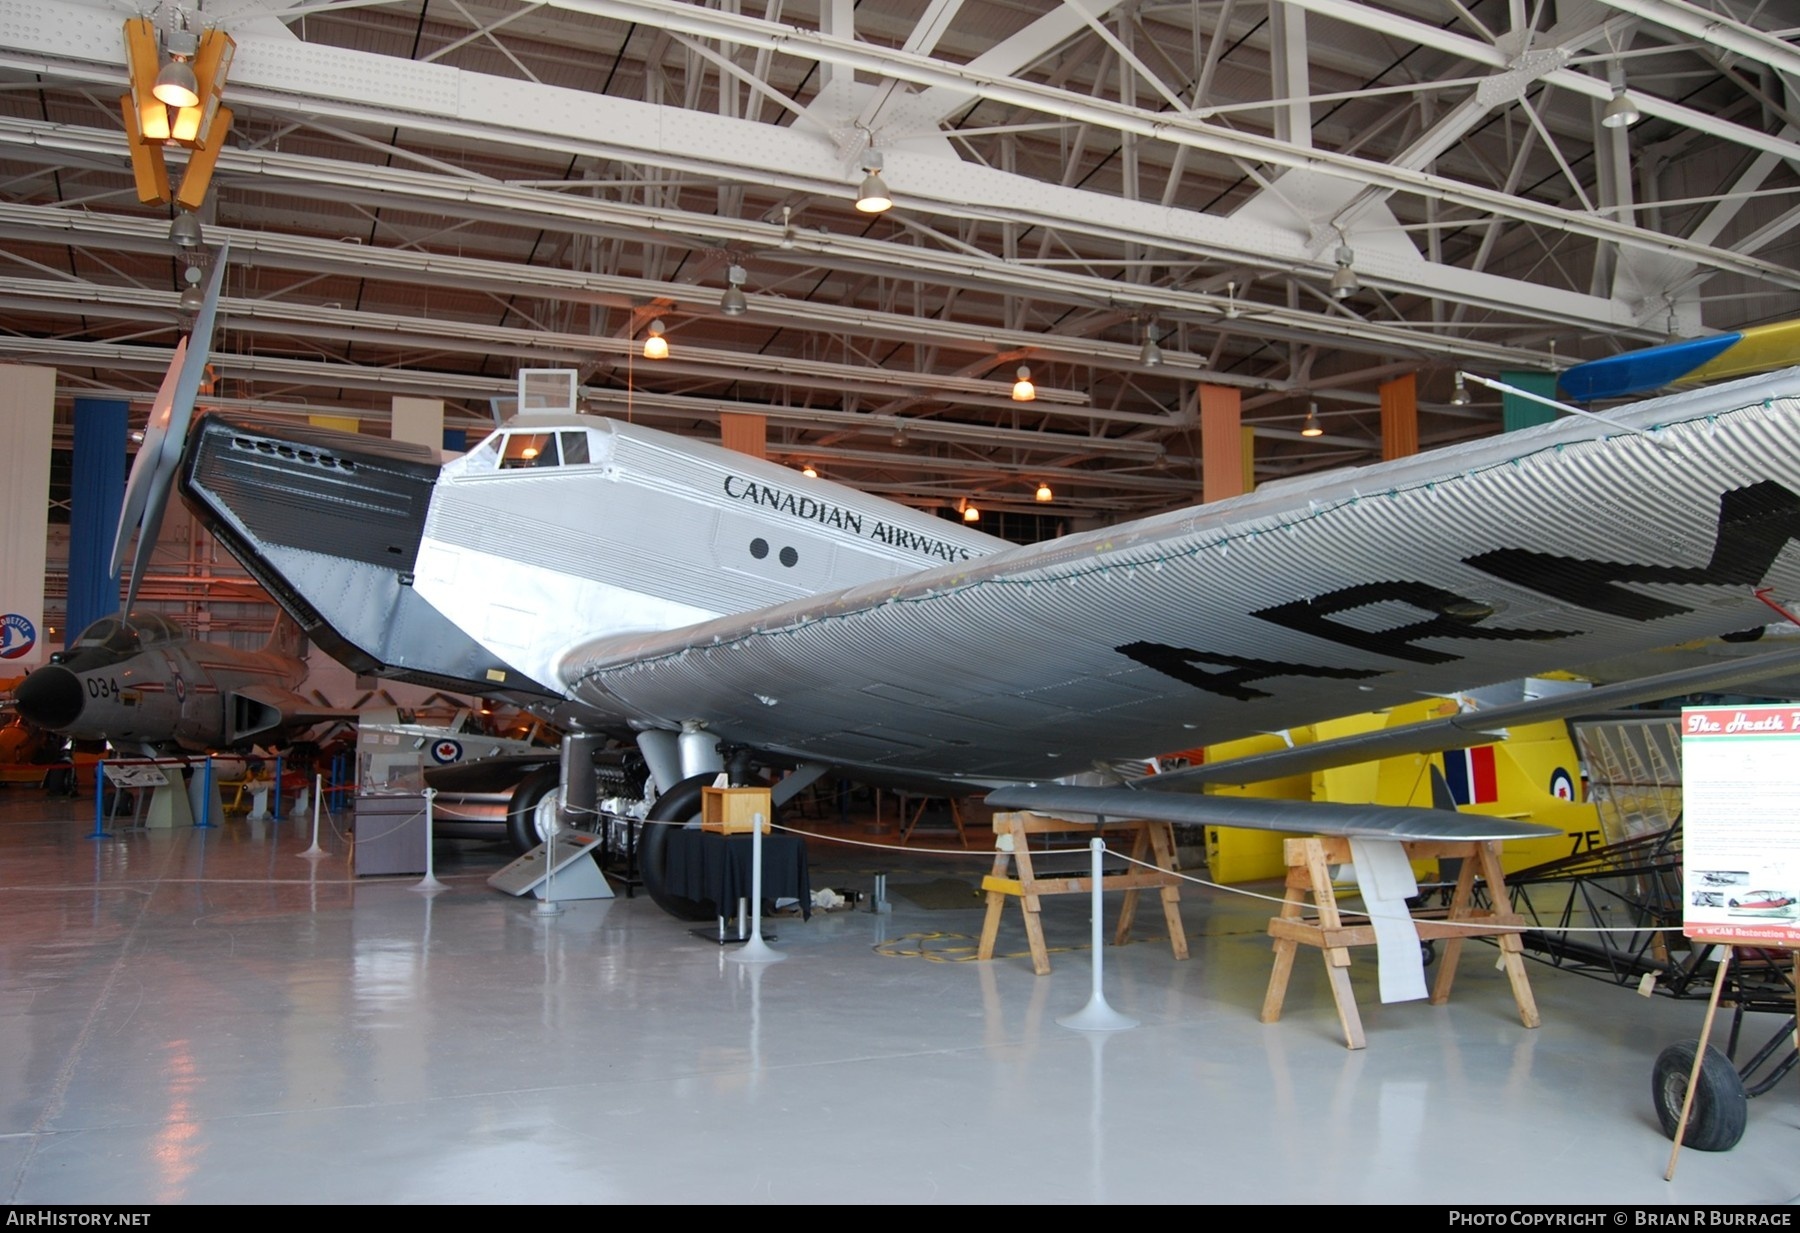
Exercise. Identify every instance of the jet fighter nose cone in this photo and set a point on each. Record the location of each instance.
(51, 697)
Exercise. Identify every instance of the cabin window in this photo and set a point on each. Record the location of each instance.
(529, 449)
(484, 457)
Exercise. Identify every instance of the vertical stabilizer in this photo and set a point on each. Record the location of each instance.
(286, 638)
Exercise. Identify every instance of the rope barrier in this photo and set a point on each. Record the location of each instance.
(985, 856)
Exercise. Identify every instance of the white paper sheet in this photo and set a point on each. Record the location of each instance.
(1387, 882)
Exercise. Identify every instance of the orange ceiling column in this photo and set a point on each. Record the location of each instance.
(1400, 417)
(1222, 454)
(747, 434)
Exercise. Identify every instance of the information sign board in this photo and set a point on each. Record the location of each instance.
(1741, 825)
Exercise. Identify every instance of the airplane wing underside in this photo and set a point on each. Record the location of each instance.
(1388, 822)
(1541, 549)
(1480, 727)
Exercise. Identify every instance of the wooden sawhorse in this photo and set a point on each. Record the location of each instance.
(1151, 841)
(1308, 862)
(924, 802)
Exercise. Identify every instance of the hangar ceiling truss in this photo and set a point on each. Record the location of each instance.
(425, 195)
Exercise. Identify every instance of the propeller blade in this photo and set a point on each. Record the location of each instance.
(153, 473)
(137, 488)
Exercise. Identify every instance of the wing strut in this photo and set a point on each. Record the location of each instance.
(1482, 727)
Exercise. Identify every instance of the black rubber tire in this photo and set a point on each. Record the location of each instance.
(1716, 1122)
(681, 804)
(521, 811)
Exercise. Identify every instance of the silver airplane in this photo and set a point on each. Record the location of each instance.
(145, 686)
(716, 609)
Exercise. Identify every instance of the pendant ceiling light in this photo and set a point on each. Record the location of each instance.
(873, 196)
(656, 347)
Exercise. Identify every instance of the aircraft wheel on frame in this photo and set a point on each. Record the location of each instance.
(679, 805)
(1721, 1106)
(533, 806)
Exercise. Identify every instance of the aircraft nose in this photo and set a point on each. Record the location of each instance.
(51, 697)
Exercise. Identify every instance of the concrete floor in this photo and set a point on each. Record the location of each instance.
(206, 1017)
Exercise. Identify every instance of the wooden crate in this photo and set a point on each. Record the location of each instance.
(732, 811)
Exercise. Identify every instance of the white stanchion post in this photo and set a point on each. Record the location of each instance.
(756, 950)
(1097, 1016)
(547, 905)
(314, 852)
(429, 883)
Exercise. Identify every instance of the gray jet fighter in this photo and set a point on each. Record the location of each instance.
(145, 686)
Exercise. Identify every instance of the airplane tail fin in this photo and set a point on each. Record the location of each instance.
(286, 638)
(1687, 362)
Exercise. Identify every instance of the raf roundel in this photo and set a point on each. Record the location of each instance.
(1562, 785)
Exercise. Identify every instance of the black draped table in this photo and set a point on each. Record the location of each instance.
(715, 868)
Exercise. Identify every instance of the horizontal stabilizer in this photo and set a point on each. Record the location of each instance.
(260, 712)
(1301, 817)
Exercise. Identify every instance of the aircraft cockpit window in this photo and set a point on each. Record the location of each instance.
(484, 457)
(574, 448)
(110, 634)
(97, 633)
(153, 630)
(529, 449)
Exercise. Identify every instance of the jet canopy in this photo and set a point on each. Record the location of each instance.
(127, 636)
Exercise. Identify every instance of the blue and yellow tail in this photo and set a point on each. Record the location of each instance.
(1692, 361)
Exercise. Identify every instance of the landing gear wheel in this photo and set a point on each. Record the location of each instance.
(1716, 1122)
(678, 806)
(533, 807)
